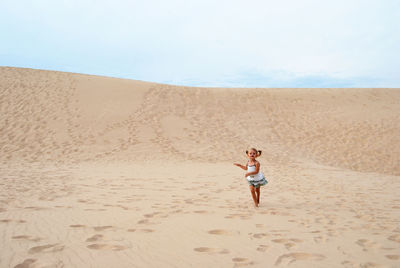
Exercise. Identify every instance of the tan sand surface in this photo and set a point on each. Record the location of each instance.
(105, 172)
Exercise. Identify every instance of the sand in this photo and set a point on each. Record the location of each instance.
(105, 172)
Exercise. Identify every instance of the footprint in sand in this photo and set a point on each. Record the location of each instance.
(26, 264)
(393, 257)
(211, 250)
(262, 248)
(94, 238)
(156, 214)
(238, 216)
(259, 235)
(146, 230)
(298, 256)
(221, 232)
(102, 228)
(395, 238)
(320, 239)
(107, 247)
(77, 226)
(238, 261)
(351, 264)
(289, 243)
(201, 211)
(46, 248)
(367, 244)
(26, 237)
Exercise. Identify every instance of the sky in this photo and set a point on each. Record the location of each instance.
(211, 43)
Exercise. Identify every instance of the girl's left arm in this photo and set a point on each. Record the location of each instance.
(241, 166)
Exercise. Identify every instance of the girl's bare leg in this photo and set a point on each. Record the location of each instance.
(253, 194)
(258, 194)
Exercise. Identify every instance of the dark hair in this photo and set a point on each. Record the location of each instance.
(254, 149)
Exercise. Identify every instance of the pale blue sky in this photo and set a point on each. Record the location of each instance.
(232, 43)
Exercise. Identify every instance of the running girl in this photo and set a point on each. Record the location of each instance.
(254, 176)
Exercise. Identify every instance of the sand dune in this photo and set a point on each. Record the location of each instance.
(106, 172)
(53, 116)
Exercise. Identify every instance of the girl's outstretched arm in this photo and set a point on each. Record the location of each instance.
(241, 166)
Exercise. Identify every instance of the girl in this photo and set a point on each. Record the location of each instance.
(254, 176)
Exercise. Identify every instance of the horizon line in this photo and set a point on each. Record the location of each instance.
(177, 84)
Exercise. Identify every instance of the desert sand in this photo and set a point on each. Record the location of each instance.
(105, 172)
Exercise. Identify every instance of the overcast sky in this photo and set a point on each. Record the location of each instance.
(232, 43)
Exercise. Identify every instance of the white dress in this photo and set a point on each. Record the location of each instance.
(257, 179)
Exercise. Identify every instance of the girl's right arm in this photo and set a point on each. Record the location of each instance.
(241, 166)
